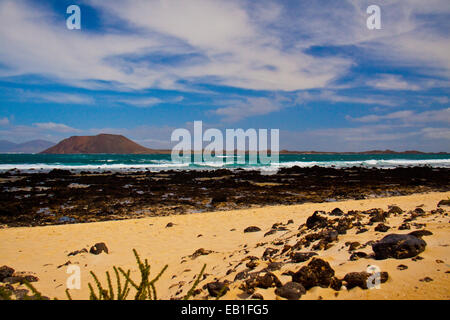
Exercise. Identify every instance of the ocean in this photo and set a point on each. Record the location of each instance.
(158, 162)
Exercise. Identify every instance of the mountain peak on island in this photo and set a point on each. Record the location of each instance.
(101, 143)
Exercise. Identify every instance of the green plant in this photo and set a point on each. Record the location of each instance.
(145, 288)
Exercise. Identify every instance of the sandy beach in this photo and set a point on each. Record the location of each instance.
(43, 249)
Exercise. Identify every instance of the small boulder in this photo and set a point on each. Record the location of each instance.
(382, 227)
(420, 233)
(251, 229)
(316, 221)
(444, 203)
(99, 248)
(359, 279)
(5, 272)
(398, 246)
(395, 210)
(298, 257)
(291, 291)
(317, 273)
(336, 212)
(217, 289)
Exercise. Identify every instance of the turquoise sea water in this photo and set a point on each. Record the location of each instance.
(46, 162)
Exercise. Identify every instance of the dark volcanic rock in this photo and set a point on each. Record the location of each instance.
(262, 280)
(359, 279)
(99, 248)
(404, 226)
(402, 267)
(252, 229)
(395, 210)
(336, 212)
(291, 291)
(302, 256)
(273, 266)
(398, 246)
(420, 233)
(382, 227)
(444, 203)
(200, 252)
(269, 252)
(317, 273)
(74, 253)
(217, 289)
(5, 272)
(357, 255)
(316, 221)
(336, 284)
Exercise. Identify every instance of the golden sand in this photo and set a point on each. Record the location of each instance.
(42, 249)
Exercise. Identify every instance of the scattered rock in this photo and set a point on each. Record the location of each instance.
(398, 246)
(200, 252)
(217, 289)
(353, 245)
(290, 291)
(169, 225)
(395, 210)
(361, 230)
(426, 279)
(74, 253)
(420, 233)
(99, 248)
(298, 257)
(357, 255)
(404, 226)
(382, 227)
(359, 279)
(5, 272)
(336, 212)
(402, 267)
(257, 296)
(269, 252)
(444, 203)
(316, 221)
(252, 229)
(263, 280)
(273, 266)
(336, 284)
(317, 273)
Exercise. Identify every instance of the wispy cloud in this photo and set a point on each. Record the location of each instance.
(392, 82)
(408, 116)
(57, 127)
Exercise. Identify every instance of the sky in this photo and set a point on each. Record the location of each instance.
(310, 68)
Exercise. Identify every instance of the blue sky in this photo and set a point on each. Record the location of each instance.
(309, 68)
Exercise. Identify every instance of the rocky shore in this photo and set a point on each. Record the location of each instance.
(64, 197)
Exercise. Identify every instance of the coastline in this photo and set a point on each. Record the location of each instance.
(42, 249)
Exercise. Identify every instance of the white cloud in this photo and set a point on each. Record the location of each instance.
(141, 102)
(408, 117)
(332, 96)
(237, 51)
(58, 127)
(392, 82)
